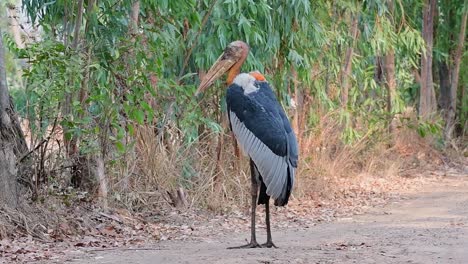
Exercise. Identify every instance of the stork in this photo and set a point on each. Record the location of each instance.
(261, 128)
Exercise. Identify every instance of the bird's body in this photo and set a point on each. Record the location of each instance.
(263, 131)
(261, 128)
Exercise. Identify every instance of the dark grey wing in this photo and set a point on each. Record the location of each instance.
(293, 152)
(292, 146)
(257, 122)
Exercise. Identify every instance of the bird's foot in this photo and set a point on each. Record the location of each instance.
(252, 244)
(269, 244)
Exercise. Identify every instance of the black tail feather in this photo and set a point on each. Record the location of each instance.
(284, 198)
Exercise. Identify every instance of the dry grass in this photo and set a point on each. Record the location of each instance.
(161, 171)
(150, 176)
(44, 220)
(326, 160)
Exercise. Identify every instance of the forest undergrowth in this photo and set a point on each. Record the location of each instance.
(150, 201)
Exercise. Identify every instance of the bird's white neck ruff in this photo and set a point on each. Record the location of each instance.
(247, 82)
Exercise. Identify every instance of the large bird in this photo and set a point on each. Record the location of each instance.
(261, 128)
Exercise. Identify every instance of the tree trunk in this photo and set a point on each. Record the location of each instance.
(83, 95)
(464, 113)
(298, 118)
(8, 169)
(133, 28)
(100, 174)
(457, 56)
(15, 26)
(134, 13)
(444, 79)
(378, 71)
(346, 70)
(389, 73)
(427, 102)
(96, 163)
(390, 84)
(70, 144)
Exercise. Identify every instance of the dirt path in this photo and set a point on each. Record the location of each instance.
(428, 227)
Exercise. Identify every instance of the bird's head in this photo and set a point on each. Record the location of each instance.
(230, 60)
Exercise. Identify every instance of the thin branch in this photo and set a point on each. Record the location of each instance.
(110, 8)
(41, 143)
(79, 17)
(111, 217)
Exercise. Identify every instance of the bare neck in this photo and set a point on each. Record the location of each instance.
(235, 69)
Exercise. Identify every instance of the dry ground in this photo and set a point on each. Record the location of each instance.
(428, 226)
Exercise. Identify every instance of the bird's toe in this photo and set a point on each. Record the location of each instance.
(269, 244)
(249, 245)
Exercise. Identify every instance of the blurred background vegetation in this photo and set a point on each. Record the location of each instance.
(105, 90)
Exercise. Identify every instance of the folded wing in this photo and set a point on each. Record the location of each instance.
(264, 133)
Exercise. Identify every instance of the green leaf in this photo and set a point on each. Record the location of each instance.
(120, 146)
(139, 116)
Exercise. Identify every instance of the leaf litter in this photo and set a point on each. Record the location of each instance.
(84, 228)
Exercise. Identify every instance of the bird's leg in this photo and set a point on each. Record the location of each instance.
(269, 242)
(254, 192)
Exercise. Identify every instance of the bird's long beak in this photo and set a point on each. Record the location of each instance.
(222, 65)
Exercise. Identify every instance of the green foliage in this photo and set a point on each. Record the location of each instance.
(429, 128)
(176, 40)
(134, 86)
(149, 77)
